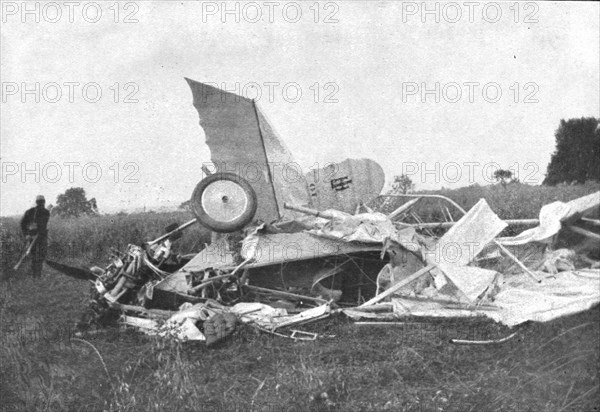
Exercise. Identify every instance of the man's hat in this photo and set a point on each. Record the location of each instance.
(40, 198)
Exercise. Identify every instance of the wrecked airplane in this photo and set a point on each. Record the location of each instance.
(290, 248)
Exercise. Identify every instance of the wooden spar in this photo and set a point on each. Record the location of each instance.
(167, 235)
(483, 342)
(379, 307)
(379, 323)
(308, 211)
(285, 294)
(208, 282)
(155, 313)
(220, 277)
(403, 208)
(584, 232)
(205, 279)
(446, 225)
(447, 199)
(449, 215)
(517, 261)
(241, 265)
(451, 303)
(398, 285)
(444, 214)
(594, 222)
(441, 225)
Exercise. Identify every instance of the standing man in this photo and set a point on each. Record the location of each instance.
(35, 222)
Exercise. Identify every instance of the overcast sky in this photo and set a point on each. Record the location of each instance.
(361, 68)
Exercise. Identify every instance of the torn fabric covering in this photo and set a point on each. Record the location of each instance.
(520, 300)
(250, 249)
(242, 141)
(359, 314)
(181, 325)
(271, 318)
(303, 222)
(583, 205)
(185, 330)
(364, 227)
(468, 236)
(405, 307)
(472, 281)
(461, 244)
(367, 228)
(551, 218)
(271, 249)
(214, 255)
(564, 294)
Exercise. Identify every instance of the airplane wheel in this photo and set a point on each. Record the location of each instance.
(224, 202)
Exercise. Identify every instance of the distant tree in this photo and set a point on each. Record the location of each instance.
(403, 184)
(577, 152)
(503, 177)
(74, 203)
(187, 205)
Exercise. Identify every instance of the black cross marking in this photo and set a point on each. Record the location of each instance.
(341, 183)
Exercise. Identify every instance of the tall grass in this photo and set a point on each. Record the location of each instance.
(515, 201)
(518, 201)
(90, 238)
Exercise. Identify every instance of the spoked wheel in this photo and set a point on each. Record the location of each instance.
(224, 202)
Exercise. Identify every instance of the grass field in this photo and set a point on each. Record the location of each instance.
(516, 201)
(547, 367)
(89, 239)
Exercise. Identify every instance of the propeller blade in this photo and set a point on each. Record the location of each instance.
(77, 273)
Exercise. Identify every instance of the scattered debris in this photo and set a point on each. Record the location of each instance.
(483, 342)
(304, 256)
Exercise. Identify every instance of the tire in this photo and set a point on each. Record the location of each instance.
(219, 194)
